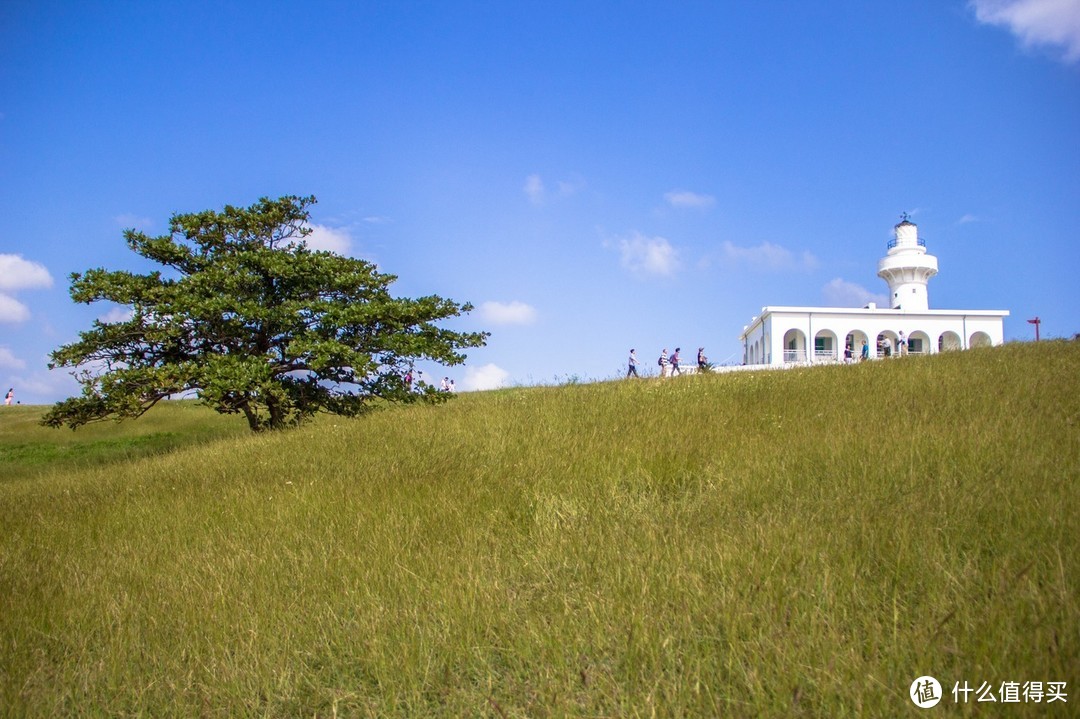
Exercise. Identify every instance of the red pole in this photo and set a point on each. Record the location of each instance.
(1036, 322)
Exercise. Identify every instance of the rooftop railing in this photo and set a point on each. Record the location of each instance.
(919, 241)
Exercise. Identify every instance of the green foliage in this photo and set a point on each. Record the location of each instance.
(255, 322)
(782, 544)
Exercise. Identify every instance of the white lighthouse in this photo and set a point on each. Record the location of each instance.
(907, 268)
(789, 336)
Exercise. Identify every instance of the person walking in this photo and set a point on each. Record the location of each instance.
(9, 396)
(664, 363)
(702, 360)
(675, 362)
(631, 364)
(865, 351)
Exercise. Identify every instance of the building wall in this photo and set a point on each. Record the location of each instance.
(803, 335)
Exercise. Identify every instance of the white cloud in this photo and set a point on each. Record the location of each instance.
(116, 314)
(534, 189)
(507, 313)
(377, 220)
(489, 376)
(538, 193)
(685, 198)
(9, 361)
(648, 255)
(130, 221)
(1036, 22)
(769, 257)
(569, 187)
(12, 311)
(329, 239)
(19, 274)
(968, 218)
(840, 293)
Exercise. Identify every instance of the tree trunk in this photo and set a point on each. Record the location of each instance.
(252, 417)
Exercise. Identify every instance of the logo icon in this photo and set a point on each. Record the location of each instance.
(925, 692)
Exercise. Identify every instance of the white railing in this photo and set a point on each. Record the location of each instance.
(819, 356)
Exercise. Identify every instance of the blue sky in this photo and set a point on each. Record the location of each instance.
(593, 176)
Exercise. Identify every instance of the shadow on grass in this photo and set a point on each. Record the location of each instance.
(28, 450)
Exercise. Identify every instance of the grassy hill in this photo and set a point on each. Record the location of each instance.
(799, 543)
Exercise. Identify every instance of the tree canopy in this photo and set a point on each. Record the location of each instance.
(254, 321)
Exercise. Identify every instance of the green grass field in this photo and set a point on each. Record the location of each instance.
(773, 544)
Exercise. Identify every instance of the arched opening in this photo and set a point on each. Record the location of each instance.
(825, 346)
(886, 344)
(918, 343)
(794, 346)
(853, 343)
(948, 342)
(980, 339)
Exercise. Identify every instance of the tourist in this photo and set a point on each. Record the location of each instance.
(9, 397)
(675, 361)
(702, 360)
(631, 364)
(865, 350)
(901, 345)
(664, 363)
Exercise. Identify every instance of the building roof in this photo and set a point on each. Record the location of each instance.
(866, 311)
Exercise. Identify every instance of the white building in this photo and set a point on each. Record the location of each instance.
(787, 335)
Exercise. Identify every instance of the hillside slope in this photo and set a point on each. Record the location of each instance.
(798, 543)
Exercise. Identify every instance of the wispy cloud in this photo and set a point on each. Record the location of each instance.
(42, 386)
(643, 255)
(329, 239)
(377, 220)
(965, 219)
(12, 311)
(507, 313)
(685, 198)
(1036, 22)
(129, 221)
(534, 189)
(768, 256)
(8, 360)
(538, 193)
(488, 376)
(841, 293)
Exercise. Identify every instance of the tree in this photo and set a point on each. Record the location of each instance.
(255, 322)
